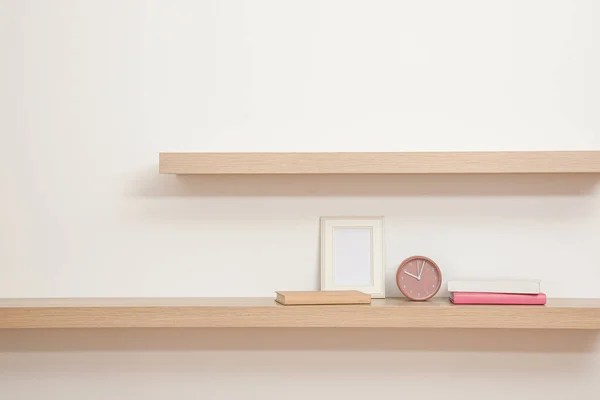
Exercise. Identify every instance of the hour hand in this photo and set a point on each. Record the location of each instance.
(409, 274)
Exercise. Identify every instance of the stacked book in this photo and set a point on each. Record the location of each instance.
(523, 292)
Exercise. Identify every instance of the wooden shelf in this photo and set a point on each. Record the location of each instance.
(265, 313)
(381, 163)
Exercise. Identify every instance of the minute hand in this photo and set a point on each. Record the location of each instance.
(421, 270)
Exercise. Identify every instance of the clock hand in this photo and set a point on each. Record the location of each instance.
(409, 274)
(421, 270)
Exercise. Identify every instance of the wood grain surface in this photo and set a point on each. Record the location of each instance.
(319, 297)
(266, 313)
(381, 163)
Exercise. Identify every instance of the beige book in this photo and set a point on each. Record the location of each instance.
(323, 297)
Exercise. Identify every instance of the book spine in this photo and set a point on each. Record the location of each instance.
(494, 287)
(498, 298)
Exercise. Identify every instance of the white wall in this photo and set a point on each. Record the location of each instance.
(91, 91)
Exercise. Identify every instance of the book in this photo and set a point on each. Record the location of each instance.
(496, 286)
(323, 297)
(498, 298)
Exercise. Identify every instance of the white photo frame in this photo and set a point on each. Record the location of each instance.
(352, 254)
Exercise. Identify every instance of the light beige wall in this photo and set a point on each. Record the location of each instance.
(297, 364)
(91, 91)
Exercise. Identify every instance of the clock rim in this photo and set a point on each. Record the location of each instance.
(429, 260)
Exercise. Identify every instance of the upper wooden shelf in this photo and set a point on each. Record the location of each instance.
(265, 313)
(535, 162)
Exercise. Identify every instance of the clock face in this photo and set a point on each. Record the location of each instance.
(419, 278)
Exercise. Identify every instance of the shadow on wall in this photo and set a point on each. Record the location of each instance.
(150, 184)
(352, 339)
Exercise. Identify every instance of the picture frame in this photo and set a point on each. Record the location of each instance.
(352, 254)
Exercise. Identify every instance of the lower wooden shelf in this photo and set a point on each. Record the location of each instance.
(265, 313)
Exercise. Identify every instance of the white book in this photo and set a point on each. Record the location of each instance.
(496, 286)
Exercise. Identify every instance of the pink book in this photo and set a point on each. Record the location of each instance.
(498, 298)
